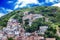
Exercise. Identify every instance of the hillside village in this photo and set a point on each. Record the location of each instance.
(37, 23)
(16, 30)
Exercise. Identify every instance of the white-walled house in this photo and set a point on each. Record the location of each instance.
(43, 29)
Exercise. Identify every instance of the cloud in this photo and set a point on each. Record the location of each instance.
(1, 14)
(47, 1)
(10, 2)
(58, 4)
(7, 6)
(5, 10)
(8, 10)
(25, 2)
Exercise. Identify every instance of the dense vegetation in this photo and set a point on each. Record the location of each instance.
(51, 12)
(10, 38)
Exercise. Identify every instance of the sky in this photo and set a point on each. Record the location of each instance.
(7, 6)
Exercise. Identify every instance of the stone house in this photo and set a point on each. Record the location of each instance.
(50, 39)
(42, 29)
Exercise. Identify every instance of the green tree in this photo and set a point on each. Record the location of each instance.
(10, 38)
(51, 32)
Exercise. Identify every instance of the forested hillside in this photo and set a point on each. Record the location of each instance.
(52, 12)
